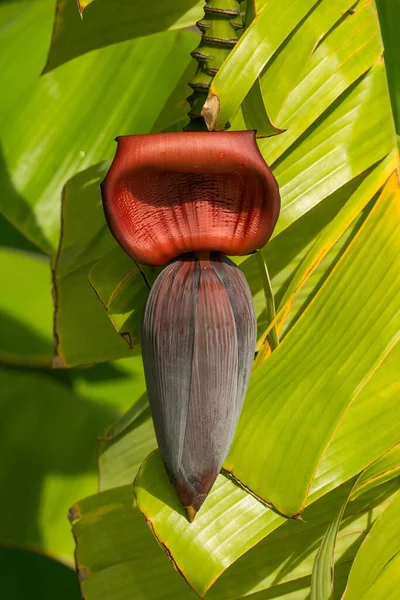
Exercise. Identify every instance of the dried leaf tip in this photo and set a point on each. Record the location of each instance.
(192, 512)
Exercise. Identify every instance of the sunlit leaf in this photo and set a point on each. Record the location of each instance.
(355, 134)
(282, 74)
(344, 56)
(255, 114)
(299, 377)
(367, 430)
(274, 568)
(385, 468)
(326, 240)
(251, 54)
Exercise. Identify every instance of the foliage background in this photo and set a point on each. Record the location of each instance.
(321, 409)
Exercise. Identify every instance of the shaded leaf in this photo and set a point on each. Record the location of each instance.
(83, 332)
(82, 4)
(119, 384)
(25, 309)
(54, 135)
(61, 458)
(106, 22)
(376, 564)
(388, 11)
(322, 577)
(173, 116)
(122, 287)
(32, 575)
(121, 456)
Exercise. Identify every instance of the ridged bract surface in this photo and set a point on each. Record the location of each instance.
(173, 193)
(198, 340)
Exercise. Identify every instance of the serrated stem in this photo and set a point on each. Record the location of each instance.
(219, 27)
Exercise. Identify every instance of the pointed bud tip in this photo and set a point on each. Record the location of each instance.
(191, 512)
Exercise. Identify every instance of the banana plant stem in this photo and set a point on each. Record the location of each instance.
(219, 34)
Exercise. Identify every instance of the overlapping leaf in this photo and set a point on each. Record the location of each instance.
(285, 71)
(333, 99)
(295, 389)
(384, 469)
(278, 566)
(388, 11)
(323, 579)
(325, 242)
(73, 113)
(355, 134)
(247, 60)
(25, 309)
(107, 22)
(346, 54)
(83, 332)
(122, 287)
(375, 572)
(368, 429)
(50, 465)
(50, 424)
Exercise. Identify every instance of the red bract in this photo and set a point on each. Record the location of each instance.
(168, 194)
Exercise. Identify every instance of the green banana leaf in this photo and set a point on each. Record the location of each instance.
(26, 327)
(32, 575)
(322, 579)
(375, 572)
(251, 54)
(389, 17)
(384, 469)
(50, 465)
(106, 22)
(321, 409)
(51, 421)
(368, 430)
(73, 113)
(277, 567)
(332, 255)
